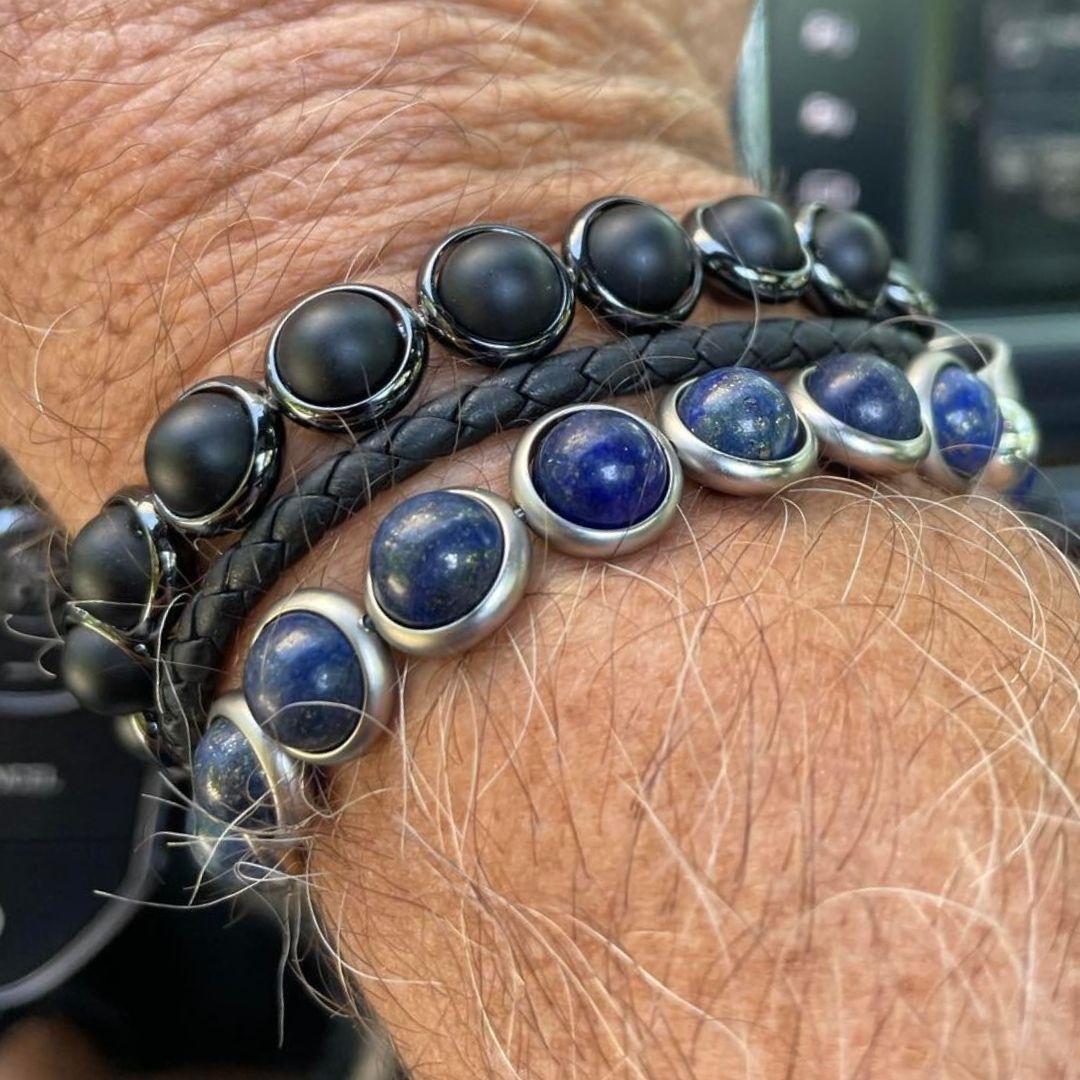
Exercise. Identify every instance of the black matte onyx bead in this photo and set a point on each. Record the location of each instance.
(339, 348)
(501, 287)
(641, 256)
(855, 249)
(199, 452)
(102, 676)
(759, 232)
(110, 567)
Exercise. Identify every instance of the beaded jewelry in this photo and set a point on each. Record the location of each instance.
(447, 568)
(350, 357)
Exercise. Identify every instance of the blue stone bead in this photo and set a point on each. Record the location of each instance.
(967, 420)
(227, 781)
(1024, 488)
(229, 860)
(601, 470)
(434, 558)
(742, 413)
(867, 393)
(303, 682)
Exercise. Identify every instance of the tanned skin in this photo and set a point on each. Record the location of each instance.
(791, 794)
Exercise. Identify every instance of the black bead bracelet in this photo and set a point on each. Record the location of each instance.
(350, 356)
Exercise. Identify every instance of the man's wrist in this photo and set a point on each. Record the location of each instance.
(209, 170)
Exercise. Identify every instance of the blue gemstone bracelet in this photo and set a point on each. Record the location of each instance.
(447, 568)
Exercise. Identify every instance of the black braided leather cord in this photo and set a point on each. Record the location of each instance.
(514, 396)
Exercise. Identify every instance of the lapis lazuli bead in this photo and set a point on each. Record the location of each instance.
(601, 470)
(227, 781)
(1025, 487)
(742, 413)
(967, 420)
(228, 853)
(434, 558)
(303, 682)
(867, 393)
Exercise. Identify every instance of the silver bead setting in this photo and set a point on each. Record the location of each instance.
(826, 284)
(285, 777)
(165, 561)
(376, 712)
(592, 290)
(754, 283)
(364, 413)
(445, 327)
(849, 446)
(1017, 450)
(263, 467)
(569, 537)
(904, 297)
(986, 355)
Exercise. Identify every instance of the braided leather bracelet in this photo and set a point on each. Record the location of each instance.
(343, 484)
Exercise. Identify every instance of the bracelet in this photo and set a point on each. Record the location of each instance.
(347, 482)
(187, 668)
(448, 567)
(350, 356)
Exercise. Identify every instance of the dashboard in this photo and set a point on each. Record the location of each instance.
(956, 123)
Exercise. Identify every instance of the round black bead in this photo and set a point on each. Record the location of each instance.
(501, 287)
(110, 565)
(339, 348)
(199, 452)
(759, 232)
(641, 256)
(855, 249)
(102, 676)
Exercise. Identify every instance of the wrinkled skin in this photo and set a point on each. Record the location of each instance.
(791, 794)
